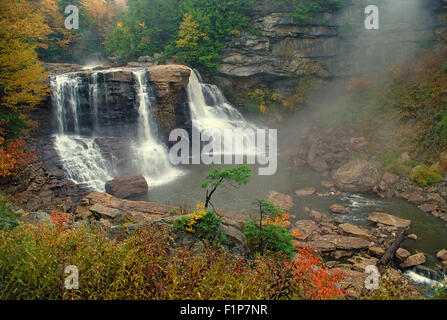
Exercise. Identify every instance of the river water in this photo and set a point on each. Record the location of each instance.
(186, 190)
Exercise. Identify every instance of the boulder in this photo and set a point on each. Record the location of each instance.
(125, 187)
(442, 255)
(316, 216)
(413, 236)
(377, 251)
(344, 242)
(280, 200)
(105, 212)
(414, 260)
(306, 229)
(428, 207)
(357, 176)
(109, 201)
(354, 230)
(402, 254)
(335, 208)
(322, 246)
(305, 192)
(389, 220)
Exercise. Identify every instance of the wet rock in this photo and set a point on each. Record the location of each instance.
(389, 220)
(305, 192)
(125, 187)
(307, 228)
(402, 254)
(280, 200)
(360, 263)
(413, 236)
(322, 246)
(357, 176)
(110, 201)
(316, 216)
(344, 242)
(339, 254)
(335, 208)
(105, 212)
(414, 260)
(377, 251)
(428, 207)
(353, 230)
(442, 255)
(385, 188)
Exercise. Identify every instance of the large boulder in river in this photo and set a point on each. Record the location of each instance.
(125, 187)
(357, 176)
(389, 220)
(280, 200)
(414, 260)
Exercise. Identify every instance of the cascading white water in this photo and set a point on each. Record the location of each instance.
(152, 156)
(216, 113)
(80, 156)
(83, 161)
(212, 111)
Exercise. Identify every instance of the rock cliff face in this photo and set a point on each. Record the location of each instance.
(113, 92)
(107, 110)
(334, 44)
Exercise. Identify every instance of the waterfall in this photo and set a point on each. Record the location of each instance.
(83, 161)
(80, 156)
(75, 141)
(210, 108)
(152, 156)
(212, 111)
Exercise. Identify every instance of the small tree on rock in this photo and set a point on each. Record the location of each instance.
(233, 177)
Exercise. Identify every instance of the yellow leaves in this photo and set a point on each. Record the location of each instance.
(55, 19)
(189, 34)
(22, 75)
(197, 215)
(143, 25)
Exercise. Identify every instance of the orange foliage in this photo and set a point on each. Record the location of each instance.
(280, 219)
(59, 219)
(13, 157)
(318, 282)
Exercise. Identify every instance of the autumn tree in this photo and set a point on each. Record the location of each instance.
(103, 13)
(22, 75)
(189, 39)
(56, 46)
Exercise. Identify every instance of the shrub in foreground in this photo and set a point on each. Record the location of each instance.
(145, 266)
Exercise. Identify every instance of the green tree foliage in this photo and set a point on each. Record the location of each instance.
(217, 177)
(192, 30)
(263, 235)
(305, 10)
(147, 27)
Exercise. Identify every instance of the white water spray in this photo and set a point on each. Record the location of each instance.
(152, 156)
